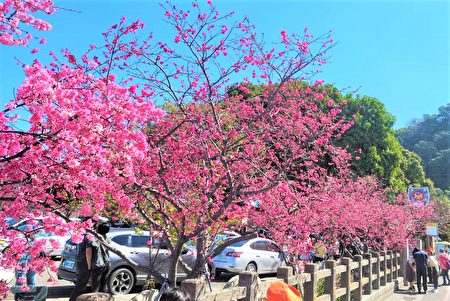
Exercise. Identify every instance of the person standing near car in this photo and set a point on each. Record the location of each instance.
(91, 261)
(100, 259)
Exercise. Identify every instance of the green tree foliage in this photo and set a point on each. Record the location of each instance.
(429, 137)
(381, 153)
(371, 139)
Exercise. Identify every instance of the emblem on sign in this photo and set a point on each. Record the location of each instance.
(419, 195)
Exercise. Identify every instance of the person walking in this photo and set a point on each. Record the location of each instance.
(91, 261)
(444, 264)
(429, 251)
(421, 259)
(433, 266)
(410, 272)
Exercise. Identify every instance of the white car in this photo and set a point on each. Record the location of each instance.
(54, 244)
(258, 255)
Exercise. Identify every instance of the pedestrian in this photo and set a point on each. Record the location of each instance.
(92, 261)
(174, 294)
(24, 274)
(421, 259)
(100, 259)
(410, 272)
(429, 251)
(433, 265)
(444, 264)
(280, 291)
(320, 250)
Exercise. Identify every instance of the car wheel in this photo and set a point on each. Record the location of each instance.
(251, 267)
(121, 281)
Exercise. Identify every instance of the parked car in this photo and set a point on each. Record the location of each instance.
(257, 255)
(123, 277)
(221, 238)
(54, 244)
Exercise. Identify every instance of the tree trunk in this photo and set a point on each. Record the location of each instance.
(174, 257)
(199, 267)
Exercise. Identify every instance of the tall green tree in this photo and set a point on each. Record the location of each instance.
(373, 137)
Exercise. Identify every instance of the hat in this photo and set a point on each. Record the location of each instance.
(415, 250)
(441, 250)
(280, 291)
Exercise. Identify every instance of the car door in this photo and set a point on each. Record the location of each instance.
(276, 258)
(139, 249)
(159, 258)
(260, 255)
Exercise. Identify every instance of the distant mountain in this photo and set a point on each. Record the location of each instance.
(429, 137)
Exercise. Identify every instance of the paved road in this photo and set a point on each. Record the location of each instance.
(61, 290)
(403, 294)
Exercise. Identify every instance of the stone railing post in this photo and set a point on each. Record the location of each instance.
(394, 265)
(368, 273)
(358, 277)
(284, 273)
(195, 288)
(403, 261)
(377, 272)
(390, 266)
(346, 279)
(330, 282)
(311, 286)
(384, 268)
(249, 281)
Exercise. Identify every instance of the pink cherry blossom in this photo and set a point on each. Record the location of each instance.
(96, 144)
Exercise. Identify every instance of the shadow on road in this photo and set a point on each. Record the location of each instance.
(60, 291)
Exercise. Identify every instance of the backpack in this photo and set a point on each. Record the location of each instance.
(447, 264)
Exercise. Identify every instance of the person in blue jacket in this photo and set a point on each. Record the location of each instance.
(421, 259)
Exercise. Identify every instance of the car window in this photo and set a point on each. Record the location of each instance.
(259, 245)
(271, 247)
(121, 240)
(160, 243)
(138, 241)
(239, 243)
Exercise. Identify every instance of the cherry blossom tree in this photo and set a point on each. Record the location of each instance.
(17, 15)
(96, 144)
(357, 208)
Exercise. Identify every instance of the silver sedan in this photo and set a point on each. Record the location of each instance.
(257, 255)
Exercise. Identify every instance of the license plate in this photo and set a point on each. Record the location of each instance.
(69, 264)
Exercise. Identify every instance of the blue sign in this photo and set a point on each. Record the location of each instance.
(418, 195)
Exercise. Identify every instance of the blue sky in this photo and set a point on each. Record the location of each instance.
(397, 51)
